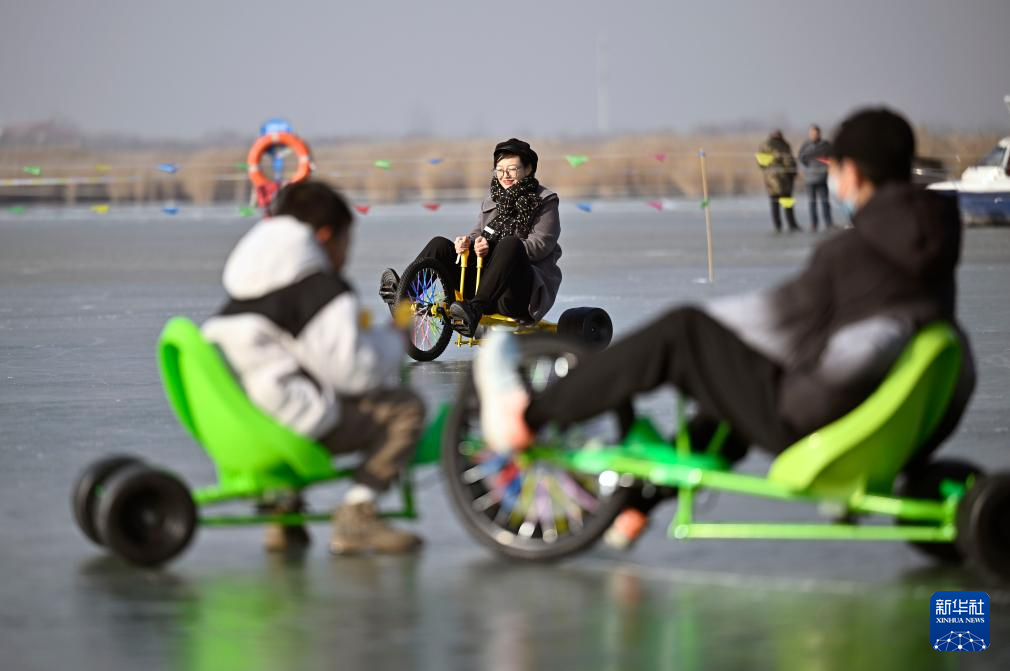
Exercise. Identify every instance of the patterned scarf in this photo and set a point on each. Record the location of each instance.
(516, 207)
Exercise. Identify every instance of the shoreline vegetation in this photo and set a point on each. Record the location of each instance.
(660, 165)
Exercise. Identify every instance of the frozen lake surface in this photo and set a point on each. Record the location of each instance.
(83, 300)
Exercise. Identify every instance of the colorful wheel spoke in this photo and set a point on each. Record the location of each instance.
(576, 492)
(533, 506)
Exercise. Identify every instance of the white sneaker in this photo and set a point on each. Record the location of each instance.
(503, 398)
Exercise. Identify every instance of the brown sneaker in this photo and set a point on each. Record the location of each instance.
(358, 528)
(284, 538)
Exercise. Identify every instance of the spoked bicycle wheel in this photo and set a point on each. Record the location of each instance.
(519, 507)
(425, 285)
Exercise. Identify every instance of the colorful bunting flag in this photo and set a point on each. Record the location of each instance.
(362, 209)
(432, 206)
(102, 208)
(168, 168)
(585, 207)
(33, 170)
(246, 211)
(656, 205)
(383, 164)
(575, 160)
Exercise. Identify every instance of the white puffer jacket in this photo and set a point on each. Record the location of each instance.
(293, 330)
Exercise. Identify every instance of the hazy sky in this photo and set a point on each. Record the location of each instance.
(469, 67)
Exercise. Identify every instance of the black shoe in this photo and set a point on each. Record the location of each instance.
(465, 317)
(388, 284)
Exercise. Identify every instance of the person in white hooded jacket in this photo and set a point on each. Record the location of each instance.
(295, 335)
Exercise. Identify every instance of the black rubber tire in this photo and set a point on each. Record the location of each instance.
(589, 326)
(84, 496)
(983, 525)
(924, 483)
(434, 275)
(483, 524)
(145, 516)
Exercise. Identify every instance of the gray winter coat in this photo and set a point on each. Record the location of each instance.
(541, 246)
(815, 171)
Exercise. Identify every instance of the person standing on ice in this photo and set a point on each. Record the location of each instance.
(778, 168)
(814, 155)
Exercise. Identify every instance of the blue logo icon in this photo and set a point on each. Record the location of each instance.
(959, 621)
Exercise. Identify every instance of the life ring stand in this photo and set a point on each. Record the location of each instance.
(266, 188)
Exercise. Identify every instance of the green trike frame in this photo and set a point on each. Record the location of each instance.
(848, 468)
(148, 516)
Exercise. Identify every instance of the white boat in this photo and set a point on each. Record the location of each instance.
(983, 192)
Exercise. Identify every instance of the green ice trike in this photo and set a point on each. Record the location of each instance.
(557, 497)
(147, 516)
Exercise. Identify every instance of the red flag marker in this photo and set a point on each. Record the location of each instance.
(660, 157)
(432, 206)
(656, 205)
(363, 209)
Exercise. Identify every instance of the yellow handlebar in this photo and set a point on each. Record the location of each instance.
(462, 260)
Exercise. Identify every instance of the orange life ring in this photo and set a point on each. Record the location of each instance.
(265, 142)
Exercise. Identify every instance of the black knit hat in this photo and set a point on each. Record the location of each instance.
(880, 141)
(516, 147)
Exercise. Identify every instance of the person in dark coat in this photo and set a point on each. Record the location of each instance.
(778, 167)
(814, 156)
(517, 233)
(781, 363)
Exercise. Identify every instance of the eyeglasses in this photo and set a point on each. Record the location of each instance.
(512, 171)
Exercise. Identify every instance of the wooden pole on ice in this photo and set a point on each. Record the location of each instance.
(708, 214)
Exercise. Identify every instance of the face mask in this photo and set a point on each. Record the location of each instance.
(848, 204)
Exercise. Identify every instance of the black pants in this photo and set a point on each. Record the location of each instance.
(777, 218)
(506, 280)
(697, 355)
(815, 192)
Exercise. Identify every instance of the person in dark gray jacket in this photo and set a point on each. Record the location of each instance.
(814, 155)
(780, 363)
(517, 235)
